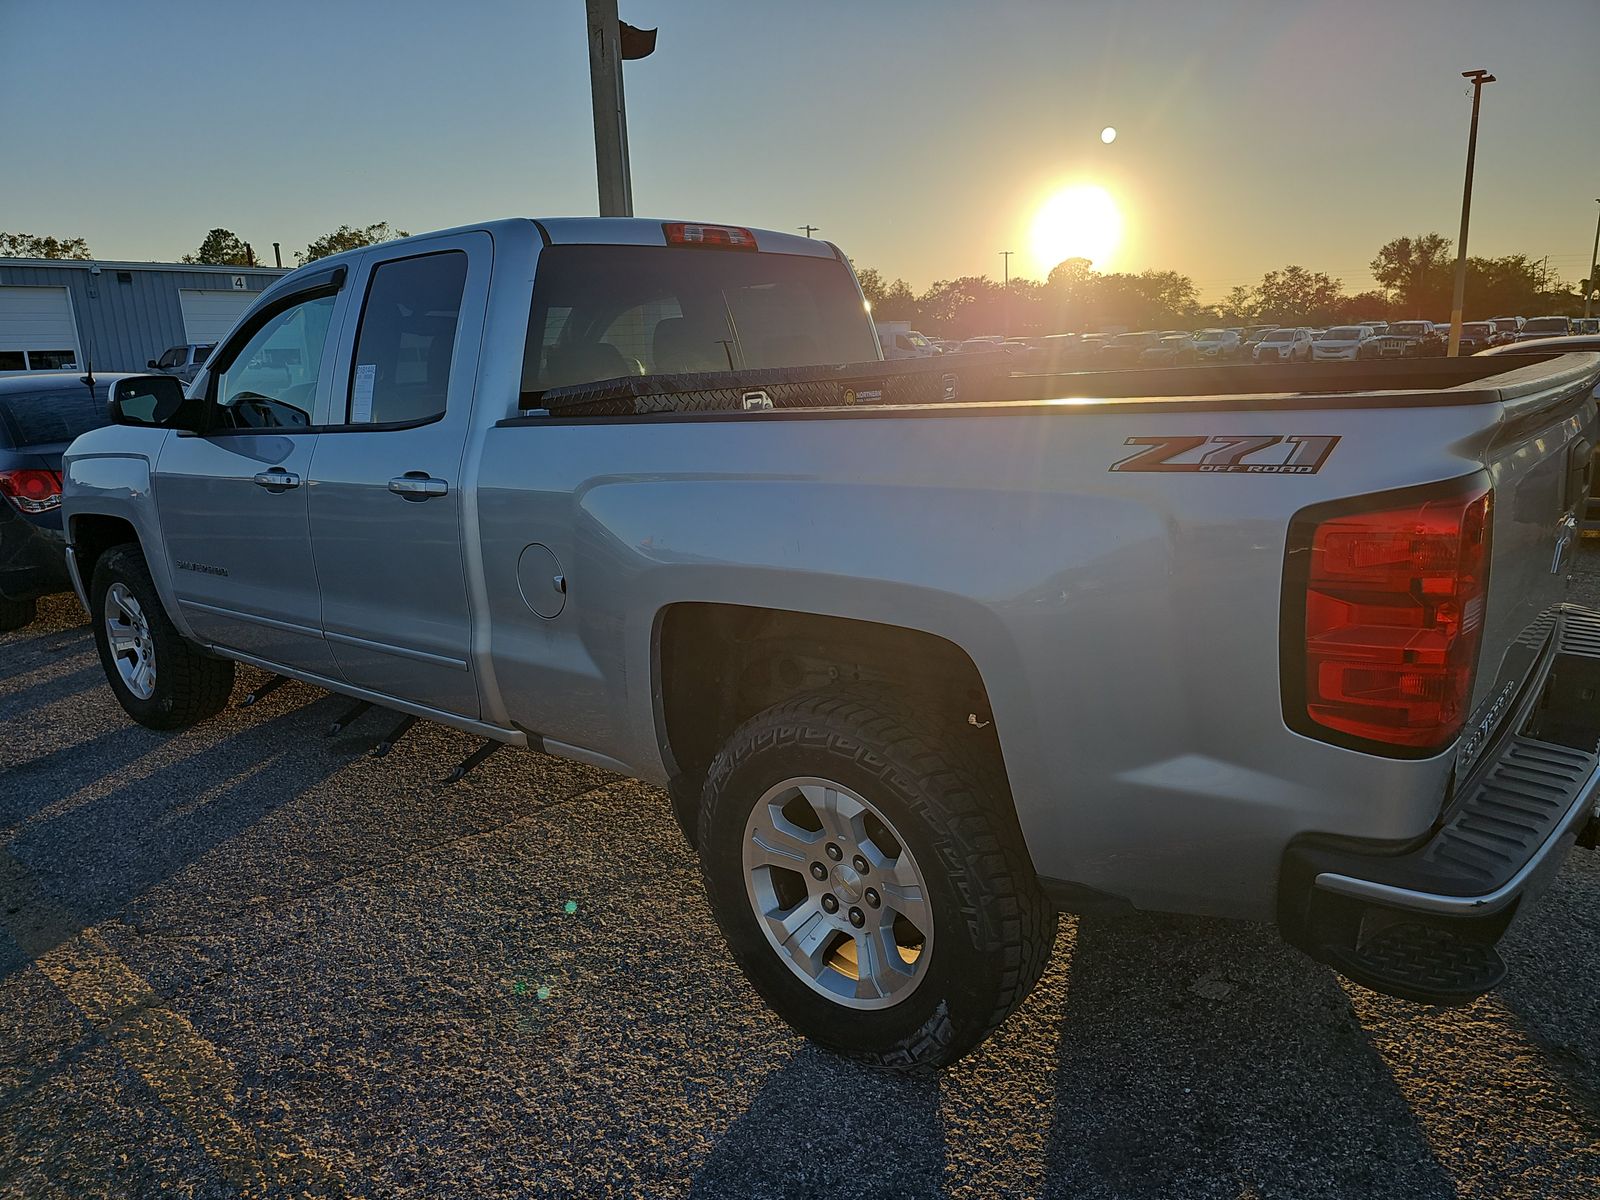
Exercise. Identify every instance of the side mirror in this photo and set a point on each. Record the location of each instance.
(151, 401)
(151, 363)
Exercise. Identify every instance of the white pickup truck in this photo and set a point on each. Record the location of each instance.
(1281, 643)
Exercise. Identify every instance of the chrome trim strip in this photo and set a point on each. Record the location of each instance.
(437, 660)
(234, 614)
(1583, 809)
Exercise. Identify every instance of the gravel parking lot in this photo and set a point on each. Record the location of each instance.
(246, 960)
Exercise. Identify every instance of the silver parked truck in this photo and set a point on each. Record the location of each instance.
(924, 655)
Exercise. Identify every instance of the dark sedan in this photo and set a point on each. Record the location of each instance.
(39, 415)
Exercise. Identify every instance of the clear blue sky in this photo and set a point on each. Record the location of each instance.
(921, 137)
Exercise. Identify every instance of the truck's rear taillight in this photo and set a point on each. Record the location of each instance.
(728, 237)
(31, 490)
(1383, 617)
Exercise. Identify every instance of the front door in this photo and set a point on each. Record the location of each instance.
(386, 483)
(233, 500)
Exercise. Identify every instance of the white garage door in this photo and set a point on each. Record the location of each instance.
(207, 316)
(37, 331)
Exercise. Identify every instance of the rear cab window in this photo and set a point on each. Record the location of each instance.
(603, 312)
(400, 373)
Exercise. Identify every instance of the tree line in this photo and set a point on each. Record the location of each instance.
(219, 247)
(1415, 277)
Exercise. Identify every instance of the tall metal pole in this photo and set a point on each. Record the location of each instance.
(610, 115)
(1594, 262)
(1479, 78)
(810, 229)
(1005, 291)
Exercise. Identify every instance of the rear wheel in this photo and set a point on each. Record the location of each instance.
(161, 679)
(14, 614)
(870, 881)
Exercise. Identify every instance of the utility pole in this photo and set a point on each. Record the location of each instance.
(1594, 262)
(1479, 78)
(1005, 290)
(277, 253)
(610, 41)
(810, 229)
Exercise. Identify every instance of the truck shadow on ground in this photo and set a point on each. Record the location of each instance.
(1262, 1082)
(72, 869)
(1240, 1069)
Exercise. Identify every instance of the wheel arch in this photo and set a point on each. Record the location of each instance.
(715, 665)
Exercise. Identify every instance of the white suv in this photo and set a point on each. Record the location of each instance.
(1285, 345)
(1341, 344)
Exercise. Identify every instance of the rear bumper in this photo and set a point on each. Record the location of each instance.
(32, 559)
(1421, 920)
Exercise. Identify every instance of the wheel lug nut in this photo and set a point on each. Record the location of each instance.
(873, 898)
(830, 903)
(857, 918)
(818, 871)
(860, 864)
(834, 852)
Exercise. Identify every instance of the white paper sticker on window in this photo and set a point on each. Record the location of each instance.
(361, 394)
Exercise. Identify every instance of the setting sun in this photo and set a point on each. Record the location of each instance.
(1082, 221)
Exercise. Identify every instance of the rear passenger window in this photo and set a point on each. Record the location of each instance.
(401, 371)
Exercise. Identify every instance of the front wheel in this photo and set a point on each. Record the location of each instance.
(870, 881)
(161, 679)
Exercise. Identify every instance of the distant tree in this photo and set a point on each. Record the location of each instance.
(1416, 272)
(1364, 306)
(1296, 296)
(890, 301)
(962, 308)
(222, 248)
(345, 238)
(1508, 286)
(32, 245)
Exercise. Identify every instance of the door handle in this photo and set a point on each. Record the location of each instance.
(276, 479)
(418, 485)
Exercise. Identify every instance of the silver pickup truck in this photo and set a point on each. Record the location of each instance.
(1284, 643)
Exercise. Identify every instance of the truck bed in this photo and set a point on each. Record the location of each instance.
(881, 389)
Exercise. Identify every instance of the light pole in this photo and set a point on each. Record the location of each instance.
(1594, 261)
(1005, 290)
(1479, 78)
(611, 41)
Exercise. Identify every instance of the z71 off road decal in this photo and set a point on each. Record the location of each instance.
(1261, 454)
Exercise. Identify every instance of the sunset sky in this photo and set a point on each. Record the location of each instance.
(923, 138)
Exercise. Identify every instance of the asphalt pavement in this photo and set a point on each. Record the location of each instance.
(248, 960)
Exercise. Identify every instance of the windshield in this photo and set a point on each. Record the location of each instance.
(1280, 335)
(1211, 335)
(602, 312)
(1546, 325)
(1409, 328)
(44, 418)
(1345, 333)
(1476, 330)
(1134, 339)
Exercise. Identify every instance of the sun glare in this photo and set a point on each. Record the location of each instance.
(1082, 221)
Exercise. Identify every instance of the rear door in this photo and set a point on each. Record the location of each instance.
(386, 504)
(232, 502)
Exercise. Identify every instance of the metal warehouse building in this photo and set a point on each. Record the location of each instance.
(117, 316)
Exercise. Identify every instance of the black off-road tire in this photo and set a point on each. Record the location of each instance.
(993, 927)
(191, 685)
(15, 614)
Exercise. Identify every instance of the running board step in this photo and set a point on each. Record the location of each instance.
(1420, 962)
